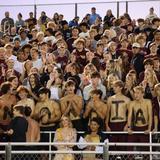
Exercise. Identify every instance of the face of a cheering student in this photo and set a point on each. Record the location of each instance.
(116, 88)
(94, 126)
(23, 94)
(138, 95)
(157, 91)
(15, 83)
(43, 96)
(70, 89)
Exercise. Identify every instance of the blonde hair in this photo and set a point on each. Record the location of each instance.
(69, 120)
(140, 88)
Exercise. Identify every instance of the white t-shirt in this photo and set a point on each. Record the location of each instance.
(37, 63)
(54, 93)
(18, 66)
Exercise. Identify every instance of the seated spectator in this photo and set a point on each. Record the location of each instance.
(67, 134)
(94, 135)
(74, 22)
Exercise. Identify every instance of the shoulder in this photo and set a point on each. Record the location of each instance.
(148, 101)
(87, 87)
(126, 99)
(63, 99)
(59, 130)
(53, 102)
(78, 97)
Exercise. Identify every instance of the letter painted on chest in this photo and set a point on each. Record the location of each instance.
(117, 104)
(139, 116)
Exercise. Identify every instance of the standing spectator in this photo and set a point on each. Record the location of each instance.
(65, 29)
(34, 85)
(137, 59)
(72, 104)
(33, 131)
(156, 107)
(96, 108)
(117, 112)
(7, 23)
(23, 94)
(80, 53)
(74, 22)
(74, 36)
(140, 118)
(18, 126)
(20, 22)
(7, 100)
(151, 14)
(84, 30)
(93, 15)
(47, 111)
(56, 18)
(31, 21)
(86, 18)
(108, 19)
(3, 65)
(43, 19)
(61, 54)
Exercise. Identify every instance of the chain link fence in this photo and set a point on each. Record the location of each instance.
(101, 151)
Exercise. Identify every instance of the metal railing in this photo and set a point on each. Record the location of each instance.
(106, 154)
(118, 7)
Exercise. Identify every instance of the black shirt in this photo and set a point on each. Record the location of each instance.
(19, 126)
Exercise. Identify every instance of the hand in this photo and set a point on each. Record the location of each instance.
(154, 130)
(44, 119)
(125, 128)
(108, 128)
(147, 131)
(130, 131)
(3, 71)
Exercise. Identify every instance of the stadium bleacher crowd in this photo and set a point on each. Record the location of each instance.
(100, 74)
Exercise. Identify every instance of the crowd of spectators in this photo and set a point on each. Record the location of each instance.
(100, 73)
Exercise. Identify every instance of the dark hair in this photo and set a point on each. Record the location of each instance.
(70, 83)
(27, 111)
(96, 62)
(22, 88)
(11, 78)
(99, 122)
(37, 79)
(19, 108)
(50, 30)
(155, 20)
(148, 61)
(20, 14)
(44, 90)
(5, 87)
(95, 75)
(97, 92)
(83, 24)
(119, 83)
